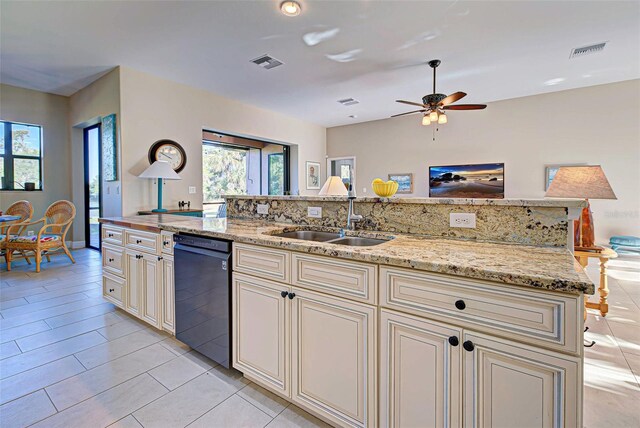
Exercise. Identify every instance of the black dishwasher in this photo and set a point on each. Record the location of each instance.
(203, 295)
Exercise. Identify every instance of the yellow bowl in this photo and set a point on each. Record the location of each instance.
(384, 189)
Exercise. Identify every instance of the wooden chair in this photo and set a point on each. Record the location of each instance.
(24, 210)
(58, 219)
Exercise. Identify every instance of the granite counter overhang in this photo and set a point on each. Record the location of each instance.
(537, 267)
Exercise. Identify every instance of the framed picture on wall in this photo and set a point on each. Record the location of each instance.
(467, 181)
(109, 148)
(551, 170)
(405, 182)
(313, 175)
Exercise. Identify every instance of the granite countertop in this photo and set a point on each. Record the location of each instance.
(537, 267)
(568, 203)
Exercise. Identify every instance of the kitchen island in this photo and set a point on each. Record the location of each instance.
(417, 331)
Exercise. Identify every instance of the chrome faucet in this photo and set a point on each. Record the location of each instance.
(351, 216)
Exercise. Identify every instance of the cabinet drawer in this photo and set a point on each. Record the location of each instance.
(353, 280)
(113, 289)
(167, 242)
(112, 235)
(266, 263)
(113, 259)
(549, 319)
(144, 241)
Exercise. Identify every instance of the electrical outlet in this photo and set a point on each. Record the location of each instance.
(192, 190)
(314, 212)
(30, 233)
(364, 190)
(467, 220)
(263, 208)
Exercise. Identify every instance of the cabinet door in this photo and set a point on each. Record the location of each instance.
(509, 384)
(168, 293)
(333, 358)
(151, 292)
(261, 330)
(133, 275)
(420, 372)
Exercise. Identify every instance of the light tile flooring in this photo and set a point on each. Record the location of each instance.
(70, 359)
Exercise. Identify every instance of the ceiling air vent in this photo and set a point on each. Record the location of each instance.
(586, 50)
(267, 62)
(348, 102)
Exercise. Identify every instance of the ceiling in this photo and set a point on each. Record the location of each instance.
(373, 51)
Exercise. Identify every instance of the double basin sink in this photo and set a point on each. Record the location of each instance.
(331, 238)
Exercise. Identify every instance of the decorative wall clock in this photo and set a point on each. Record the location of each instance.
(170, 151)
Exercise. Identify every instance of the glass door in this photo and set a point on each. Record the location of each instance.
(92, 185)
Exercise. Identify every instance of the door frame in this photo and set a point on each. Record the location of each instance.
(353, 172)
(87, 226)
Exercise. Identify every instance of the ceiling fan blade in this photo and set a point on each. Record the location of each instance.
(409, 112)
(452, 98)
(466, 107)
(411, 103)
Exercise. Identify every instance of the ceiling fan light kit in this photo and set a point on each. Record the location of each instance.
(434, 105)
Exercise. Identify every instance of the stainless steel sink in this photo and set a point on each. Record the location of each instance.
(309, 235)
(331, 238)
(357, 241)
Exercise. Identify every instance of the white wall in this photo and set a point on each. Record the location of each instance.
(51, 112)
(595, 125)
(153, 108)
(87, 107)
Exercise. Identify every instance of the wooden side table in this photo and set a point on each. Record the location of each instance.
(603, 289)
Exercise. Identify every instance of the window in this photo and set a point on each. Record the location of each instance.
(20, 156)
(276, 174)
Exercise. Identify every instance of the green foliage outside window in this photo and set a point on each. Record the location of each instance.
(224, 172)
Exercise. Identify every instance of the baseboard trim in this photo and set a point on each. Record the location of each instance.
(75, 245)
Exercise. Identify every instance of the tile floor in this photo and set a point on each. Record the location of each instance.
(70, 359)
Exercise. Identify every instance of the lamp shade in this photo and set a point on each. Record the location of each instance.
(160, 169)
(333, 187)
(585, 182)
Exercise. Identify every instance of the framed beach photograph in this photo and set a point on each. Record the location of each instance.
(551, 170)
(467, 181)
(405, 182)
(313, 175)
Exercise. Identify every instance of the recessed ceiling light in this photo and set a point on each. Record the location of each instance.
(290, 8)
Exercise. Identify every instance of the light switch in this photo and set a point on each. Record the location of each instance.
(192, 190)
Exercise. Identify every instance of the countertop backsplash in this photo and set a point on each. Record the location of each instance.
(517, 221)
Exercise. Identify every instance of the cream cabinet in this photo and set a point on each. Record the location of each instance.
(507, 383)
(429, 351)
(261, 330)
(151, 289)
(333, 357)
(133, 274)
(168, 295)
(420, 372)
(138, 274)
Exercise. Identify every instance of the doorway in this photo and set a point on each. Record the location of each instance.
(343, 167)
(92, 185)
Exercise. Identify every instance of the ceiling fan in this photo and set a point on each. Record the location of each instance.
(434, 105)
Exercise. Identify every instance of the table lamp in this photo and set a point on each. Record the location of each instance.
(585, 182)
(160, 170)
(333, 187)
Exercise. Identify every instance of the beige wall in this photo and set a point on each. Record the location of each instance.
(595, 125)
(51, 112)
(153, 108)
(87, 107)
